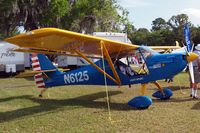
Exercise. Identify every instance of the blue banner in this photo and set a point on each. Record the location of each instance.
(187, 37)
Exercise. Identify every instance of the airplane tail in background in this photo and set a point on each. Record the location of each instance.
(42, 64)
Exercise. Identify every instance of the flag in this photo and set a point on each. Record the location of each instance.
(187, 38)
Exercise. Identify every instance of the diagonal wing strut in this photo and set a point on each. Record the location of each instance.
(116, 78)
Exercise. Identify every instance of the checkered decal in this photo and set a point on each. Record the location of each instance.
(36, 67)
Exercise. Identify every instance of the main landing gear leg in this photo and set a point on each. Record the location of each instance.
(159, 87)
(143, 89)
(162, 94)
(42, 92)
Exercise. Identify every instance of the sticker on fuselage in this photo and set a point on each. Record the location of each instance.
(76, 77)
(155, 66)
(136, 79)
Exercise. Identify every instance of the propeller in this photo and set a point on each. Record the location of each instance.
(189, 48)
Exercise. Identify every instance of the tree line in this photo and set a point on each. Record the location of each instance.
(88, 16)
(166, 32)
(85, 16)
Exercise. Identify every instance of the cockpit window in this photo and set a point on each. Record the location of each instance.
(146, 52)
(137, 60)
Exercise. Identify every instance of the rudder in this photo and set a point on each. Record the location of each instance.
(37, 66)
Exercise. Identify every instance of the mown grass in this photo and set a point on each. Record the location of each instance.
(84, 109)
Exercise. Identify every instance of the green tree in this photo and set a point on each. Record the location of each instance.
(76, 15)
(161, 37)
(140, 36)
(54, 12)
(128, 26)
(159, 24)
(195, 35)
(97, 15)
(8, 17)
(32, 14)
(177, 24)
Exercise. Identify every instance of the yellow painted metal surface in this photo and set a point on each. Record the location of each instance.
(32, 73)
(106, 54)
(192, 56)
(143, 89)
(55, 39)
(164, 47)
(159, 87)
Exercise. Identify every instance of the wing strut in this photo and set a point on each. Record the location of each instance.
(105, 51)
(95, 66)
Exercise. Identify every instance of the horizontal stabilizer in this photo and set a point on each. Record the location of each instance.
(32, 73)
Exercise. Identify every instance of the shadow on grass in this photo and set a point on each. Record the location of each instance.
(21, 86)
(196, 106)
(29, 78)
(177, 88)
(174, 100)
(173, 88)
(46, 105)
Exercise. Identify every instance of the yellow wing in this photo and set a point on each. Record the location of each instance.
(57, 41)
(166, 48)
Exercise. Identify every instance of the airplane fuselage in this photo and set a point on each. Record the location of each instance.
(160, 66)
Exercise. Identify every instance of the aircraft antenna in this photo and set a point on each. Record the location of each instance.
(106, 86)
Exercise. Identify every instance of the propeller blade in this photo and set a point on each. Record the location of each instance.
(189, 48)
(192, 47)
(191, 71)
(187, 53)
(191, 57)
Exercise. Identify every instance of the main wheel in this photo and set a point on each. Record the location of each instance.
(140, 102)
(167, 94)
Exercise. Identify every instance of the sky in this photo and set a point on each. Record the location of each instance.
(143, 12)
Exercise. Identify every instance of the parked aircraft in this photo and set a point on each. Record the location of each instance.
(109, 69)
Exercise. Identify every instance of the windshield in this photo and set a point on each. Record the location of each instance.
(137, 59)
(146, 51)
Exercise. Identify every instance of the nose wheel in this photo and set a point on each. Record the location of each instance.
(162, 94)
(167, 94)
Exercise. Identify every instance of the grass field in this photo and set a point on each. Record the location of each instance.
(83, 109)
